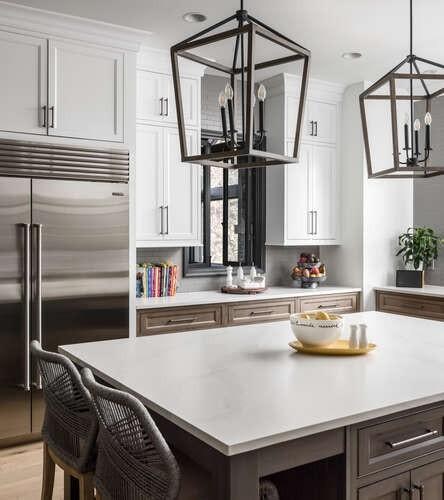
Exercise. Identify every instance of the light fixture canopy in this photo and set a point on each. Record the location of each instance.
(242, 147)
(407, 90)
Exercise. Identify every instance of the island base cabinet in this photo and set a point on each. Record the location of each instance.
(394, 488)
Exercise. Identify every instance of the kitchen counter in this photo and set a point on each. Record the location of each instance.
(427, 290)
(216, 297)
(242, 388)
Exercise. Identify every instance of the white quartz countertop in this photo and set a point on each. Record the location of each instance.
(427, 290)
(216, 297)
(242, 388)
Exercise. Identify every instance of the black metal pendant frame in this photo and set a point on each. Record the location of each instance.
(245, 153)
(413, 167)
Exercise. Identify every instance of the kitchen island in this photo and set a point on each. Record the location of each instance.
(243, 405)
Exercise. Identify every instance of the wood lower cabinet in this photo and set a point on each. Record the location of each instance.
(398, 457)
(420, 306)
(199, 317)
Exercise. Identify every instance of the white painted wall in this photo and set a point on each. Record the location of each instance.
(374, 211)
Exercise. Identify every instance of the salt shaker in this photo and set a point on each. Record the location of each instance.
(229, 279)
(240, 275)
(253, 272)
(353, 340)
(363, 341)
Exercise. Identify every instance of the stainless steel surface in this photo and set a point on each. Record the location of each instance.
(15, 212)
(44, 108)
(27, 302)
(38, 291)
(167, 208)
(167, 107)
(84, 263)
(161, 106)
(161, 220)
(52, 111)
(412, 440)
(41, 160)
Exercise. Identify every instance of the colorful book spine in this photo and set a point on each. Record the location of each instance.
(156, 280)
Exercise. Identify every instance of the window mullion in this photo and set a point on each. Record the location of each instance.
(225, 219)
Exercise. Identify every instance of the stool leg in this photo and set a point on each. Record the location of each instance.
(48, 474)
(86, 487)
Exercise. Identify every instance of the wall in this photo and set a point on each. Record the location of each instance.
(279, 262)
(374, 211)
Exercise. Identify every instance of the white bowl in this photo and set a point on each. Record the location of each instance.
(316, 332)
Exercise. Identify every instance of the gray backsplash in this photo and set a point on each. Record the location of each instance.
(279, 262)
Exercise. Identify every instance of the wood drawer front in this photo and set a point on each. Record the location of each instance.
(178, 319)
(411, 305)
(396, 441)
(259, 312)
(343, 304)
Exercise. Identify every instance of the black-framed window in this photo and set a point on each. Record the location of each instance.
(233, 221)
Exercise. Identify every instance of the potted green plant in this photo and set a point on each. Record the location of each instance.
(418, 248)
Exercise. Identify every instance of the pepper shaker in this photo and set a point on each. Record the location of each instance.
(240, 275)
(353, 340)
(229, 279)
(363, 341)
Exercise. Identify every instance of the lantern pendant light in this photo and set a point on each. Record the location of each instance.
(241, 144)
(412, 152)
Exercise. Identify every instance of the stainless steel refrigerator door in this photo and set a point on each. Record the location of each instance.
(80, 265)
(15, 218)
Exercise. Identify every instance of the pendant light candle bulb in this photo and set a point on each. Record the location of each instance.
(406, 119)
(222, 100)
(261, 92)
(428, 118)
(417, 124)
(229, 94)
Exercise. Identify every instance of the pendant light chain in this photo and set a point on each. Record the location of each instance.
(411, 80)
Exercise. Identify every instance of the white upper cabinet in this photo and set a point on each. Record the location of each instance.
(156, 101)
(85, 92)
(303, 198)
(23, 83)
(167, 191)
(182, 189)
(149, 184)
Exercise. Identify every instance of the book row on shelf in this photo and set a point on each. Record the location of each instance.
(156, 280)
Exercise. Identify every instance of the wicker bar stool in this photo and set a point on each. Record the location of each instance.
(134, 461)
(70, 427)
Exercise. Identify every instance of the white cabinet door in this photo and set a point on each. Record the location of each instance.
(321, 121)
(298, 221)
(149, 184)
(190, 101)
(182, 190)
(152, 90)
(86, 91)
(324, 192)
(23, 83)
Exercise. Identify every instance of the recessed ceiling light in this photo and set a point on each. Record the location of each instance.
(351, 55)
(194, 17)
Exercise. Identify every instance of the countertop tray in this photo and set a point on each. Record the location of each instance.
(338, 348)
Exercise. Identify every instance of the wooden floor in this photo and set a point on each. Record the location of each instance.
(21, 473)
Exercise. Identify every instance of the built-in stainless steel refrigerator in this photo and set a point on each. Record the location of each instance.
(64, 266)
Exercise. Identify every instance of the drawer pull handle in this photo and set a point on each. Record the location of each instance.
(189, 319)
(261, 313)
(420, 488)
(414, 439)
(329, 306)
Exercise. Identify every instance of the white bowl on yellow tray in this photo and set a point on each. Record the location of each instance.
(316, 328)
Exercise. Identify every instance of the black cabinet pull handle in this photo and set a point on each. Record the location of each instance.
(44, 108)
(161, 106)
(312, 129)
(190, 319)
(52, 110)
(316, 129)
(167, 107)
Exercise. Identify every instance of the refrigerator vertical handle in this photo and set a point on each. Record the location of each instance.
(27, 302)
(38, 290)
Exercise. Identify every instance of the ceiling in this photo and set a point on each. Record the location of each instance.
(377, 28)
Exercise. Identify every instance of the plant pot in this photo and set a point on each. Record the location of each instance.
(409, 267)
(410, 278)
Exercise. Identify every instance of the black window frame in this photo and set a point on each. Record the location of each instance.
(254, 183)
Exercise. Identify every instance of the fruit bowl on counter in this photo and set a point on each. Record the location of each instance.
(316, 328)
(308, 272)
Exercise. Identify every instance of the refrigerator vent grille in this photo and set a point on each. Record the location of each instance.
(51, 161)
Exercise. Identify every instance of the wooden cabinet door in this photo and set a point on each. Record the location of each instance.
(149, 184)
(324, 116)
(394, 488)
(182, 190)
(23, 85)
(323, 192)
(86, 92)
(428, 481)
(298, 217)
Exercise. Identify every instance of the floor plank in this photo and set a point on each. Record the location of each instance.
(21, 473)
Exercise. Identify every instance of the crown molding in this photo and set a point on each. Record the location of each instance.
(52, 24)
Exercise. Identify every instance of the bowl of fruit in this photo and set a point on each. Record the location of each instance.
(308, 272)
(316, 328)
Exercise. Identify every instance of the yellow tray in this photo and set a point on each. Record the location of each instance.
(338, 348)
